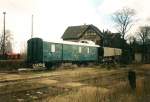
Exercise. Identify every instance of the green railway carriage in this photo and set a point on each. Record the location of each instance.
(35, 50)
(40, 51)
(52, 52)
(79, 53)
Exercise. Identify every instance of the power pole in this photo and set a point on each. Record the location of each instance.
(4, 35)
(32, 27)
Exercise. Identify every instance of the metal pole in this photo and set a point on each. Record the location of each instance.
(32, 27)
(4, 35)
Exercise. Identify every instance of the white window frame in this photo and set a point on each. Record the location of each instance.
(88, 50)
(80, 49)
(53, 49)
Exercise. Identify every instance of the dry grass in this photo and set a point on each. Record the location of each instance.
(119, 93)
(86, 94)
(93, 85)
(91, 94)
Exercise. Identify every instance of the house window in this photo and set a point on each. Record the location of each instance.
(53, 48)
(91, 33)
(80, 49)
(88, 50)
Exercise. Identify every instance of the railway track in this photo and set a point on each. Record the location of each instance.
(30, 88)
(58, 77)
(31, 94)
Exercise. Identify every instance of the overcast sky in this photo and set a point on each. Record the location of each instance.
(52, 17)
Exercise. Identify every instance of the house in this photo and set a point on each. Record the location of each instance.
(83, 32)
(142, 53)
(113, 40)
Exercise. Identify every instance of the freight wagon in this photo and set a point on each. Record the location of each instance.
(50, 53)
(111, 55)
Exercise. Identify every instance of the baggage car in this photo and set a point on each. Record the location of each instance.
(49, 53)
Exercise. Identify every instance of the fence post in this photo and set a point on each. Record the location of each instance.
(132, 79)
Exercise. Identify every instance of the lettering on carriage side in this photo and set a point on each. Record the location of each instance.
(38, 65)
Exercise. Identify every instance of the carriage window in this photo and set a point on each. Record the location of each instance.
(88, 50)
(53, 48)
(80, 49)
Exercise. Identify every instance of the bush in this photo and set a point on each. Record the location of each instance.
(12, 64)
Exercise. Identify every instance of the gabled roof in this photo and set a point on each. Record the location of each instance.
(111, 35)
(75, 32)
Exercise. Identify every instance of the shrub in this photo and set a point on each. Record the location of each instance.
(12, 64)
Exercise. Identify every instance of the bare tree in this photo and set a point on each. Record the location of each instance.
(131, 39)
(132, 46)
(144, 36)
(124, 19)
(8, 41)
(23, 50)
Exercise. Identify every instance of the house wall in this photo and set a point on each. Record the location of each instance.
(138, 57)
(90, 34)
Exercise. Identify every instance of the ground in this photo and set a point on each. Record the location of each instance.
(84, 84)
